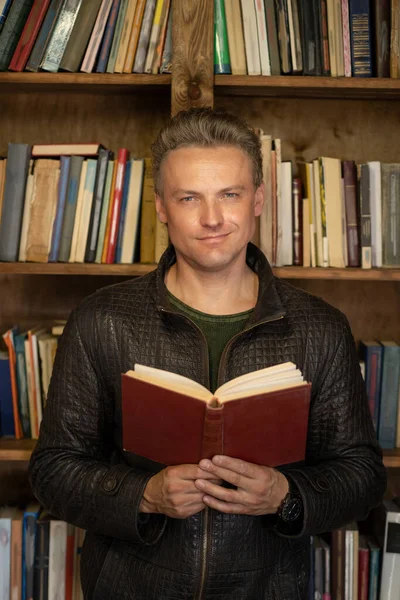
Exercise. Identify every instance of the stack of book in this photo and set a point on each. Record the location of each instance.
(25, 373)
(39, 555)
(76, 203)
(351, 38)
(102, 36)
(329, 212)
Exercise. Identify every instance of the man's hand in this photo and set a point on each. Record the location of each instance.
(260, 490)
(172, 491)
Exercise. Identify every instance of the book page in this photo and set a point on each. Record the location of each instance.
(290, 380)
(171, 381)
(261, 389)
(262, 374)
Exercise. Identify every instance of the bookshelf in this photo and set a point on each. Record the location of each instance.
(314, 116)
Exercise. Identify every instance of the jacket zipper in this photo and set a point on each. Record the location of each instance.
(207, 512)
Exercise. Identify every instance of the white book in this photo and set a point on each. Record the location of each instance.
(132, 218)
(31, 393)
(57, 559)
(78, 213)
(266, 242)
(294, 34)
(318, 222)
(375, 186)
(334, 209)
(6, 515)
(27, 214)
(262, 37)
(251, 38)
(284, 252)
(234, 26)
(86, 209)
(344, 226)
(390, 577)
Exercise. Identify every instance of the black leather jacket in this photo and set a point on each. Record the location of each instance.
(80, 475)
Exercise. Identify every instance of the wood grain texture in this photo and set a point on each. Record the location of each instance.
(193, 52)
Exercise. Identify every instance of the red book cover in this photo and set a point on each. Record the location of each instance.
(29, 34)
(171, 426)
(363, 569)
(116, 204)
(69, 562)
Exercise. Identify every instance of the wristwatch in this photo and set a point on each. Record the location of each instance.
(291, 508)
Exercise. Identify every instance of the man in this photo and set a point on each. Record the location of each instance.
(211, 311)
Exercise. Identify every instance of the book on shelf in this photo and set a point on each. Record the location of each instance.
(80, 35)
(245, 418)
(28, 35)
(90, 57)
(106, 43)
(44, 35)
(60, 35)
(144, 37)
(235, 36)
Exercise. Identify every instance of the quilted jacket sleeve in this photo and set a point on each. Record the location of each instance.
(70, 470)
(344, 476)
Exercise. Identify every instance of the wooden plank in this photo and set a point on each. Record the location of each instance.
(330, 273)
(193, 51)
(391, 458)
(306, 87)
(16, 450)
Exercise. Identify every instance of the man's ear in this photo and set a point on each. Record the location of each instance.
(259, 199)
(160, 208)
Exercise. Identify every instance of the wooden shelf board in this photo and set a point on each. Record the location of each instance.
(299, 86)
(21, 450)
(16, 450)
(82, 82)
(20, 268)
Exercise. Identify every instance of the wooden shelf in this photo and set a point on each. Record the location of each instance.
(21, 450)
(21, 268)
(16, 450)
(82, 82)
(308, 87)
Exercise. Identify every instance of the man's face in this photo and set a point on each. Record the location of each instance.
(210, 204)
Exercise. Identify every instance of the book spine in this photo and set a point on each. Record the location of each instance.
(65, 164)
(338, 564)
(134, 38)
(105, 48)
(28, 36)
(297, 223)
(6, 398)
(70, 208)
(382, 38)
(144, 38)
(148, 217)
(22, 384)
(346, 38)
(283, 36)
(117, 37)
(390, 215)
(363, 572)
(361, 42)
(326, 63)
(308, 37)
(130, 235)
(80, 35)
(389, 397)
(154, 35)
(350, 194)
(60, 36)
(222, 62)
(272, 33)
(166, 62)
(374, 571)
(8, 338)
(121, 225)
(96, 37)
(365, 210)
(108, 191)
(262, 38)
(101, 176)
(161, 40)
(5, 556)
(16, 559)
(4, 12)
(12, 30)
(213, 432)
(117, 202)
(44, 36)
(373, 360)
(13, 202)
(28, 555)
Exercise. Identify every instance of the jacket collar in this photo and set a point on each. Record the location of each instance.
(269, 305)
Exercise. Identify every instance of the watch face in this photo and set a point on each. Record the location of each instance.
(291, 509)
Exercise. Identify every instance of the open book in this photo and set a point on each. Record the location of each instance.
(260, 417)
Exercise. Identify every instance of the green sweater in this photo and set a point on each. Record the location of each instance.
(217, 329)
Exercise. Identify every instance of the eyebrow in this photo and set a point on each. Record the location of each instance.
(195, 193)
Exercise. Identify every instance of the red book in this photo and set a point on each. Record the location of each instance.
(69, 562)
(260, 417)
(363, 569)
(28, 36)
(116, 204)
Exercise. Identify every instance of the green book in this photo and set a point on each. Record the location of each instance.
(117, 37)
(104, 212)
(12, 30)
(222, 61)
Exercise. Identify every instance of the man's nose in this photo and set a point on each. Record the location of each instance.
(211, 214)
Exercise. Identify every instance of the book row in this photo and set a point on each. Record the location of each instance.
(340, 38)
(25, 372)
(329, 212)
(102, 36)
(39, 555)
(83, 207)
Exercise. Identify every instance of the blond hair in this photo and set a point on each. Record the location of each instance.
(205, 127)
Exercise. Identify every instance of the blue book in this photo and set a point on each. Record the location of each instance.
(4, 12)
(67, 229)
(374, 568)
(6, 406)
(389, 395)
(65, 163)
(44, 36)
(105, 47)
(361, 38)
(121, 225)
(371, 353)
(22, 383)
(31, 515)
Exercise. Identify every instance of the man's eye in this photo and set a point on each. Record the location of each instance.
(231, 195)
(187, 199)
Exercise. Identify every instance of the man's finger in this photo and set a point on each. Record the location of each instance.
(227, 495)
(225, 507)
